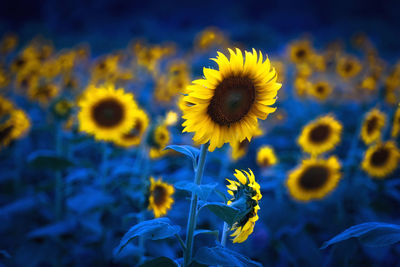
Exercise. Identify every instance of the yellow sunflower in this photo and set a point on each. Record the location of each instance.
(228, 102)
(396, 123)
(62, 108)
(16, 126)
(244, 191)
(134, 136)
(300, 51)
(160, 197)
(106, 112)
(381, 159)
(159, 139)
(239, 149)
(6, 106)
(320, 135)
(348, 67)
(372, 126)
(314, 179)
(320, 90)
(43, 93)
(266, 157)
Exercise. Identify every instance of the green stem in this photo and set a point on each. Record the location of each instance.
(104, 162)
(59, 190)
(191, 225)
(225, 231)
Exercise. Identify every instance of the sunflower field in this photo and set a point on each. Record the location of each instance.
(222, 145)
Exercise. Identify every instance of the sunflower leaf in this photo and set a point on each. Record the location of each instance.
(222, 256)
(203, 231)
(189, 151)
(203, 191)
(372, 234)
(155, 229)
(225, 212)
(160, 261)
(47, 159)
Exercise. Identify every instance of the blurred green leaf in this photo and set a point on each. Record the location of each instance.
(223, 256)
(203, 191)
(47, 159)
(160, 261)
(155, 229)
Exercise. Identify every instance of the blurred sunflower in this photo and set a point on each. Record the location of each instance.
(372, 126)
(266, 157)
(239, 149)
(320, 90)
(314, 179)
(300, 51)
(320, 135)
(381, 159)
(160, 197)
(6, 106)
(134, 136)
(106, 112)
(246, 194)
(396, 124)
(158, 140)
(210, 37)
(15, 127)
(8, 43)
(228, 102)
(43, 93)
(62, 108)
(348, 67)
(171, 118)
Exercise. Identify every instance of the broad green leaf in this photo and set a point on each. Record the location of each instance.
(209, 232)
(223, 256)
(155, 229)
(226, 213)
(47, 159)
(189, 151)
(203, 191)
(160, 261)
(373, 234)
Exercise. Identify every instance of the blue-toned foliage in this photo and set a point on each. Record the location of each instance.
(373, 234)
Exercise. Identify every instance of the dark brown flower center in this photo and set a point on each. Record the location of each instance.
(300, 53)
(5, 132)
(160, 195)
(320, 133)
(380, 157)
(348, 66)
(320, 89)
(108, 113)
(313, 178)
(372, 123)
(232, 100)
(265, 162)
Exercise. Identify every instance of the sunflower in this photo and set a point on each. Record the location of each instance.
(171, 118)
(16, 126)
(266, 157)
(62, 108)
(6, 106)
(381, 159)
(396, 123)
(314, 179)
(320, 135)
(300, 51)
(134, 136)
(239, 149)
(320, 90)
(210, 37)
(372, 126)
(245, 193)
(160, 197)
(228, 102)
(158, 139)
(43, 93)
(106, 112)
(348, 67)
